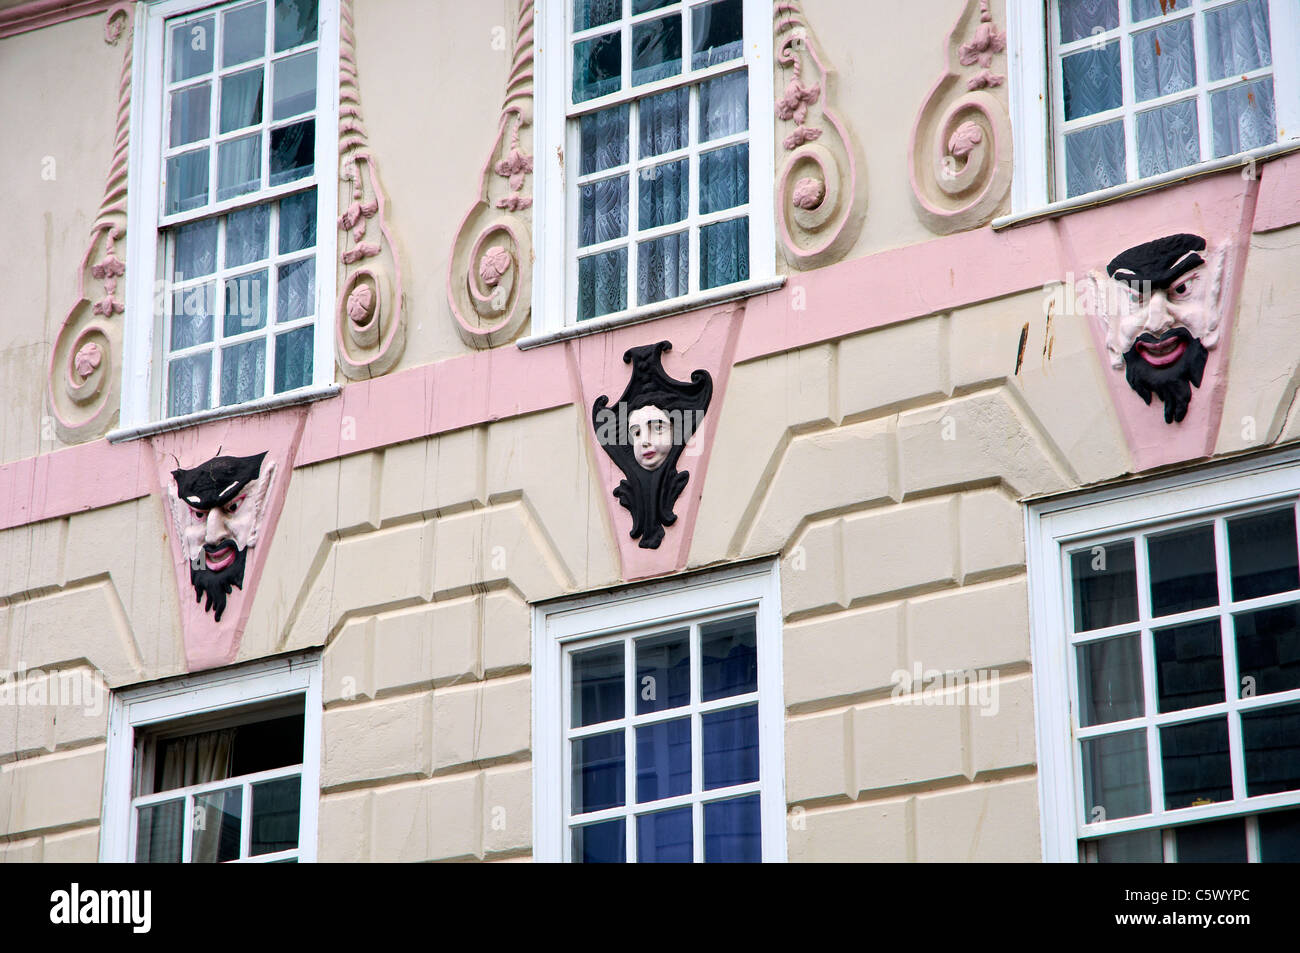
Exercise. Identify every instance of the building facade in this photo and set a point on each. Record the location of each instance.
(604, 430)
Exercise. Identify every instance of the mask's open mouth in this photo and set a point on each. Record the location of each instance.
(220, 556)
(1165, 350)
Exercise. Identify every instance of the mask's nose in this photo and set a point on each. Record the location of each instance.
(215, 528)
(1159, 320)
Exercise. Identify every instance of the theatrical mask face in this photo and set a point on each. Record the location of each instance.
(651, 436)
(213, 536)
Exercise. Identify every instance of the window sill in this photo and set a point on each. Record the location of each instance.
(303, 395)
(744, 289)
(1130, 189)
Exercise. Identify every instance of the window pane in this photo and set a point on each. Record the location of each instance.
(297, 222)
(1080, 18)
(724, 106)
(724, 253)
(246, 303)
(1242, 117)
(719, 30)
(1091, 81)
(244, 34)
(1110, 681)
(1262, 551)
(195, 250)
(1237, 38)
(158, 833)
(1271, 739)
(599, 774)
(193, 310)
(1105, 586)
(600, 843)
(729, 664)
(597, 685)
(603, 138)
(724, 178)
(656, 49)
(1189, 665)
(191, 47)
(663, 760)
(1115, 780)
(239, 166)
(247, 235)
(1146, 9)
(733, 831)
(662, 268)
(1279, 837)
(189, 384)
(292, 151)
(1219, 842)
(295, 23)
(663, 194)
(215, 826)
(243, 371)
(241, 100)
(1182, 570)
(590, 13)
(663, 672)
(295, 86)
(275, 816)
(1139, 847)
(191, 114)
(187, 181)
(293, 359)
(602, 284)
(1268, 650)
(597, 67)
(296, 290)
(1164, 60)
(665, 837)
(602, 210)
(1168, 138)
(730, 746)
(645, 6)
(1195, 761)
(662, 121)
(1094, 158)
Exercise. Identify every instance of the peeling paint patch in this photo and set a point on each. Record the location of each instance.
(1020, 351)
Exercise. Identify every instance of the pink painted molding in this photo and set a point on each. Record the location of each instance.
(85, 368)
(959, 156)
(1279, 194)
(820, 176)
(370, 325)
(489, 277)
(42, 13)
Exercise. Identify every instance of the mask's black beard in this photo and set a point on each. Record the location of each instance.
(1173, 383)
(217, 585)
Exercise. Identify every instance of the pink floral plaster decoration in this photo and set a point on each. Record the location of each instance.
(82, 409)
(367, 252)
(820, 185)
(489, 293)
(959, 157)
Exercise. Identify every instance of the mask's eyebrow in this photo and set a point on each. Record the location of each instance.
(229, 487)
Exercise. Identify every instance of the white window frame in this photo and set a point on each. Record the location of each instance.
(1054, 526)
(674, 602)
(210, 693)
(554, 302)
(1035, 107)
(143, 350)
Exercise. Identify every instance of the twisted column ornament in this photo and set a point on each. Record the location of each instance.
(959, 159)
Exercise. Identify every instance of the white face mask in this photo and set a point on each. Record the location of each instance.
(651, 435)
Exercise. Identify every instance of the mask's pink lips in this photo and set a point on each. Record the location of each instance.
(1162, 353)
(222, 558)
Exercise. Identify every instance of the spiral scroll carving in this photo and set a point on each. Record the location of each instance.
(489, 280)
(82, 385)
(959, 160)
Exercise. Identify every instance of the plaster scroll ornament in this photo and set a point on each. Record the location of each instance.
(820, 175)
(1159, 306)
(371, 326)
(82, 386)
(218, 509)
(489, 277)
(645, 432)
(959, 158)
